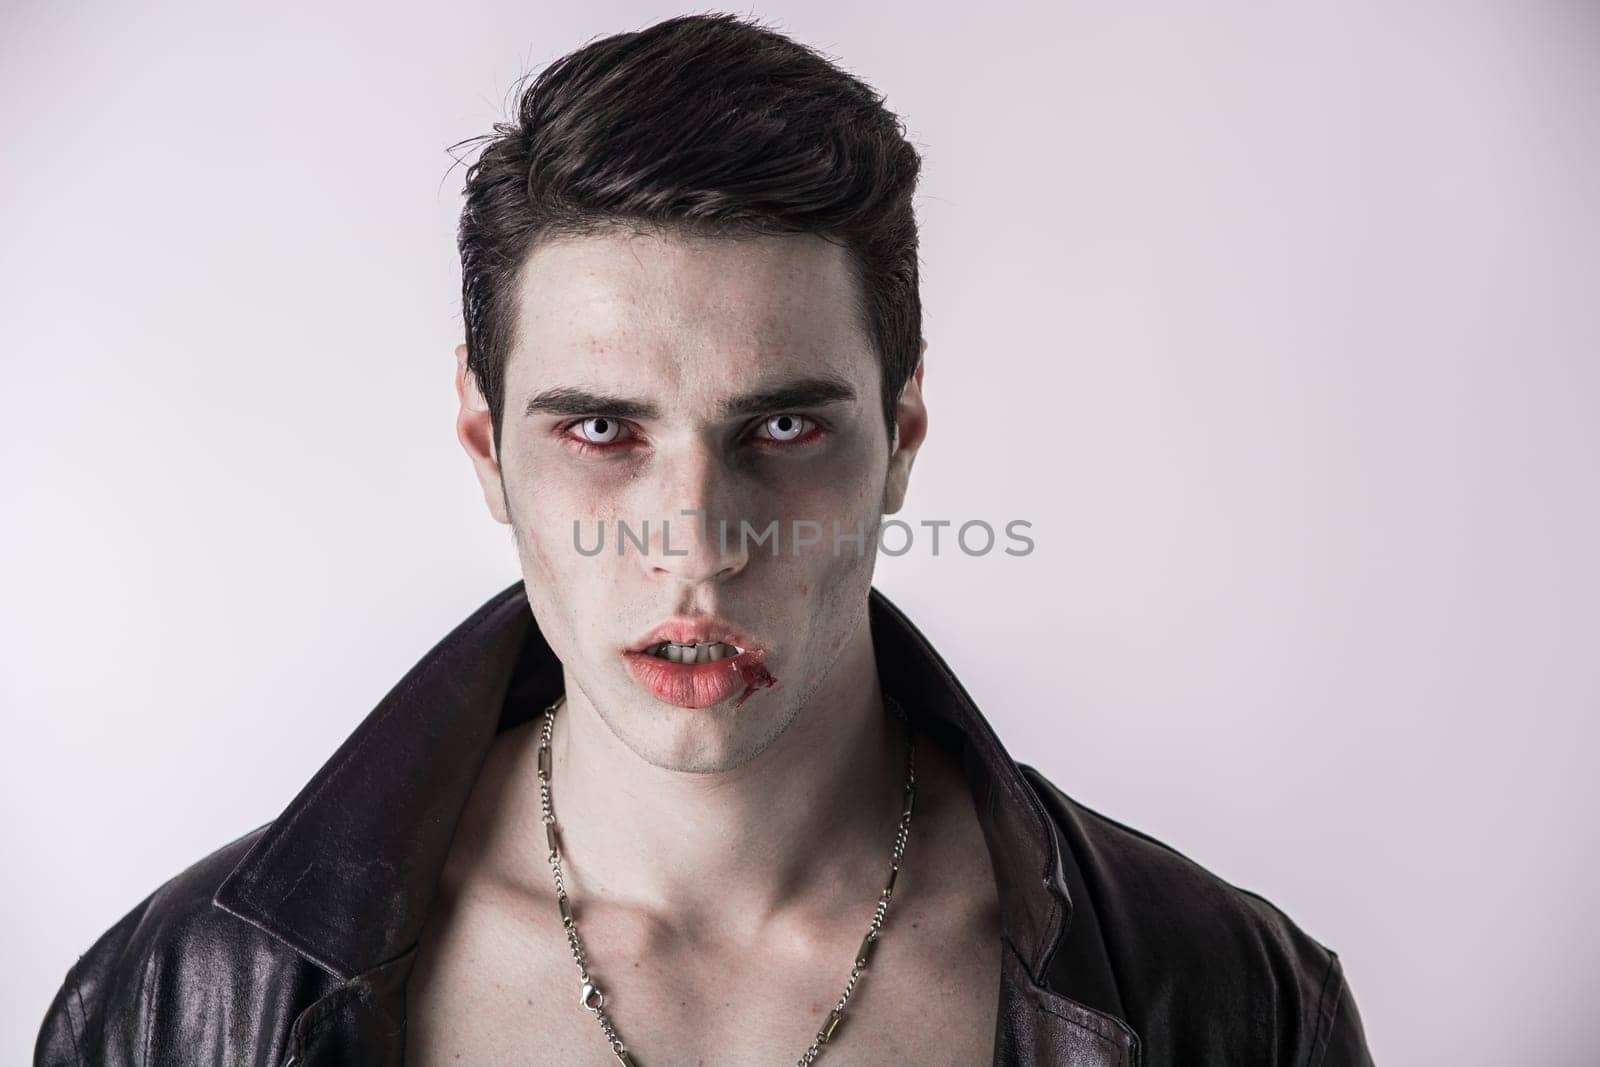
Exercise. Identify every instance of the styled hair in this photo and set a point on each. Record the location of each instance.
(706, 124)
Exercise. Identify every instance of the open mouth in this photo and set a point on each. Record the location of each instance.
(696, 662)
(699, 652)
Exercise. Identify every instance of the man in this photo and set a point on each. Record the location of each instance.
(693, 791)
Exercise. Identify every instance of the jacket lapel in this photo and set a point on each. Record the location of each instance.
(1034, 873)
(363, 1021)
(346, 875)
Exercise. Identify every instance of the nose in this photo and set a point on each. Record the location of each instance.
(694, 537)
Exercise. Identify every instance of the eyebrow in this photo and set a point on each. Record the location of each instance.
(811, 392)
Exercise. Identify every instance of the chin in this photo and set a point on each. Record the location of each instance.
(701, 740)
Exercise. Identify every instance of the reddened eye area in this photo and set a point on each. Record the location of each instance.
(599, 434)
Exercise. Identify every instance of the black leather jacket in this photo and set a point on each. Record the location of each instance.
(291, 945)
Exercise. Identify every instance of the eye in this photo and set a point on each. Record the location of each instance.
(599, 430)
(785, 428)
(598, 435)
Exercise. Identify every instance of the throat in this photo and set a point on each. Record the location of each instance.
(812, 816)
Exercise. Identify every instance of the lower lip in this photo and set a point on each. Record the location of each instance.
(700, 685)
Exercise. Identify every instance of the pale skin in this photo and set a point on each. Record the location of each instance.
(723, 862)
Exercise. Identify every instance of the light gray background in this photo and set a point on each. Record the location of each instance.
(1280, 326)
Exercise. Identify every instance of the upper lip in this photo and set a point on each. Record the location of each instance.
(695, 630)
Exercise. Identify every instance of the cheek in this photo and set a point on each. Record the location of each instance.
(548, 494)
(542, 526)
(842, 479)
(844, 492)
(827, 567)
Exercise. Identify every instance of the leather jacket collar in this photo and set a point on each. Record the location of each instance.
(346, 875)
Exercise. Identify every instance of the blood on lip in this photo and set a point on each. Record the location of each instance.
(701, 684)
(755, 675)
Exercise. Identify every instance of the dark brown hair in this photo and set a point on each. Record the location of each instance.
(709, 124)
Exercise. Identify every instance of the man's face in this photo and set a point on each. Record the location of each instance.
(678, 335)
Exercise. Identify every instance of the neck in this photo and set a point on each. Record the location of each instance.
(810, 818)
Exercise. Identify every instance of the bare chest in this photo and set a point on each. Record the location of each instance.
(495, 983)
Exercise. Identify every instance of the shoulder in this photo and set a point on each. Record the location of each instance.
(1202, 965)
(176, 972)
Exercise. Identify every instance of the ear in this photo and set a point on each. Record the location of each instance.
(910, 427)
(475, 430)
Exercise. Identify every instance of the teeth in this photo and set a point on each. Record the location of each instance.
(696, 653)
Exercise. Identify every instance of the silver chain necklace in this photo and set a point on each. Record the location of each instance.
(594, 1001)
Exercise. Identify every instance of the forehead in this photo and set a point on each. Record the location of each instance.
(681, 310)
